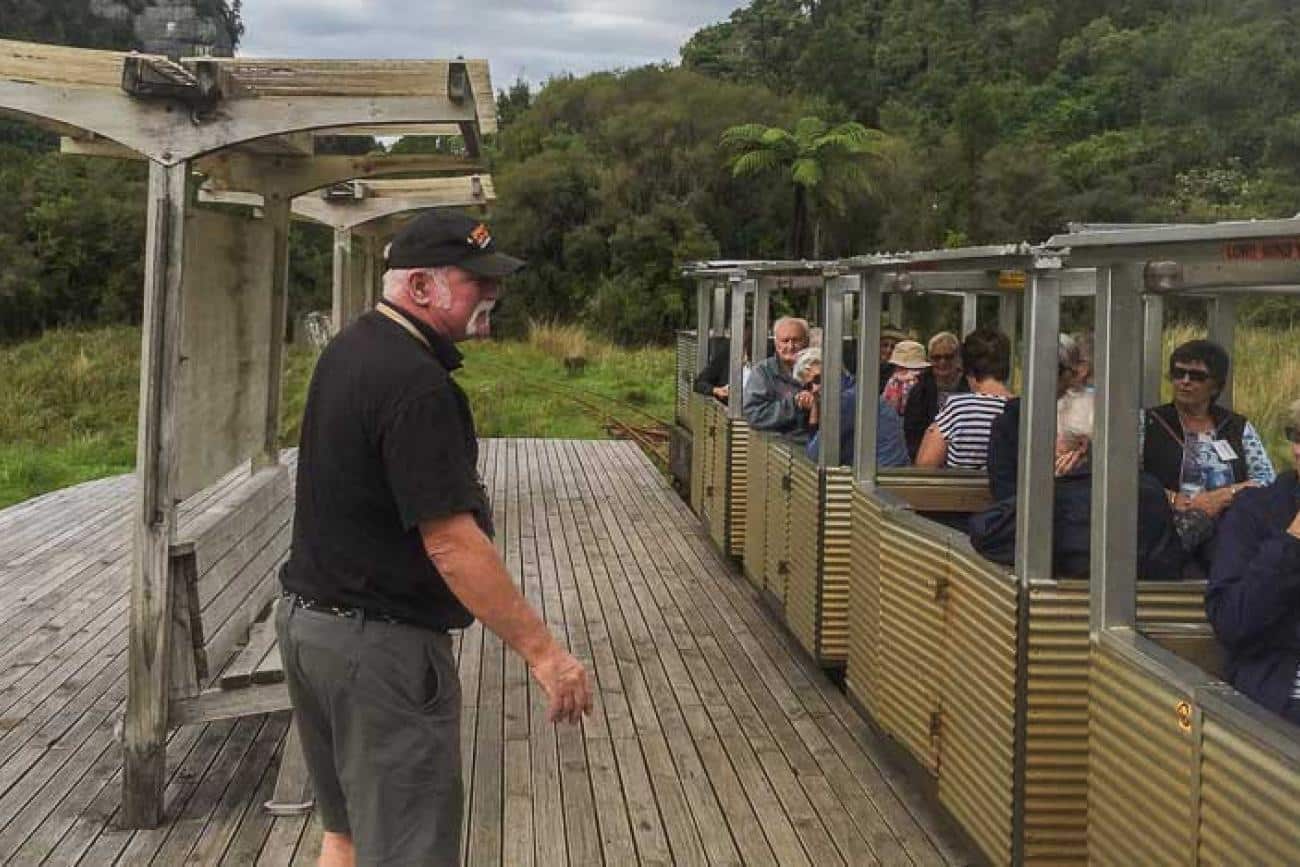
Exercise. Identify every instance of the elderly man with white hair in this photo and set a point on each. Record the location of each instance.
(774, 399)
(392, 551)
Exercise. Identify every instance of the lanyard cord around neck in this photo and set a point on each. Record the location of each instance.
(405, 323)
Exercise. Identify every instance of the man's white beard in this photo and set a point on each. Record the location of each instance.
(480, 323)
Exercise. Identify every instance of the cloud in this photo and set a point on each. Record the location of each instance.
(536, 39)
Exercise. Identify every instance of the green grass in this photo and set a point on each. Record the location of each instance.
(1266, 380)
(69, 399)
(506, 384)
(68, 402)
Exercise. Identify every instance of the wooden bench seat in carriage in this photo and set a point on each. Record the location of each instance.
(938, 491)
(224, 659)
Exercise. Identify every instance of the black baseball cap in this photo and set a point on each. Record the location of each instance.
(442, 237)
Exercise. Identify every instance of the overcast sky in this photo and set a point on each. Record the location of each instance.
(532, 38)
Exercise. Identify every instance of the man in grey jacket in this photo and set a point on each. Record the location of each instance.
(774, 400)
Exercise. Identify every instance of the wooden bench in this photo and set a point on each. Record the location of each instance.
(938, 491)
(223, 575)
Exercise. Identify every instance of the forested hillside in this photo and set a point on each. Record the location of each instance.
(72, 228)
(1004, 120)
(1018, 115)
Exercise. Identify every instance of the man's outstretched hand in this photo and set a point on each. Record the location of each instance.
(566, 685)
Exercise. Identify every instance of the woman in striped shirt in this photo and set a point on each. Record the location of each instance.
(959, 436)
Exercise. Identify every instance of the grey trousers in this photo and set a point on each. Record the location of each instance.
(378, 710)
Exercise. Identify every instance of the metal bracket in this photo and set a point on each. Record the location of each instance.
(786, 483)
(458, 87)
(941, 587)
(158, 78)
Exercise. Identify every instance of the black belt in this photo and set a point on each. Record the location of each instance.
(350, 613)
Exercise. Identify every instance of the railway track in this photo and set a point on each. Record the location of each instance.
(619, 418)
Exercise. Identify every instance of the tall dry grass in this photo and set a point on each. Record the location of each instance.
(561, 341)
(1265, 379)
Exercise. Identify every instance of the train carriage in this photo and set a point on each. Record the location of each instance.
(986, 675)
(1182, 768)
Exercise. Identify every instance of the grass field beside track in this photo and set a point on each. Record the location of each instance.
(68, 399)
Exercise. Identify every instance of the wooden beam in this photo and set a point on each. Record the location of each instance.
(299, 144)
(446, 130)
(217, 704)
(149, 633)
(260, 78)
(96, 147)
(293, 176)
(61, 65)
(276, 214)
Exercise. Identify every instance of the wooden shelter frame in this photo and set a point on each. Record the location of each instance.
(249, 124)
(364, 215)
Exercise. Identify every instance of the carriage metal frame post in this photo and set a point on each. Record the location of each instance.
(174, 114)
(741, 289)
(703, 317)
(1035, 496)
(1221, 261)
(866, 433)
(835, 293)
(970, 313)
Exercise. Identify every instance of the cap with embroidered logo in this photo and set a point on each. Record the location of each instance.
(441, 237)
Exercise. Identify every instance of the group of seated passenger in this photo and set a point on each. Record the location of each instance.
(1209, 501)
(783, 395)
(934, 411)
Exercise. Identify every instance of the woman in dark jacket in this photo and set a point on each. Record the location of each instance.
(944, 377)
(1253, 596)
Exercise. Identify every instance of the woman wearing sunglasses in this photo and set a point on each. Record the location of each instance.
(1253, 595)
(940, 381)
(1203, 454)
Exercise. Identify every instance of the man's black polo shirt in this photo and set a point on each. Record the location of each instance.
(387, 441)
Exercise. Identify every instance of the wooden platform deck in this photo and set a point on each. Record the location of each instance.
(714, 739)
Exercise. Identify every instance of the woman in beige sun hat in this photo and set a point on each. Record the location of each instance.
(908, 360)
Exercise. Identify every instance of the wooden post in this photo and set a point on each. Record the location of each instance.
(145, 736)
(373, 275)
(342, 277)
(275, 211)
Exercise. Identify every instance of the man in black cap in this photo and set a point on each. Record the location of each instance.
(391, 550)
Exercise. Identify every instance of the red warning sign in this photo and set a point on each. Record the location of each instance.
(1261, 251)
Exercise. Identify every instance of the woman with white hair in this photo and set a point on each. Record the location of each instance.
(939, 381)
(890, 451)
(1253, 596)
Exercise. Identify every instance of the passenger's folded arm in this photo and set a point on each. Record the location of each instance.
(1255, 581)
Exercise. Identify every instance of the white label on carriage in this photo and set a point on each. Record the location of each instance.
(1225, 450)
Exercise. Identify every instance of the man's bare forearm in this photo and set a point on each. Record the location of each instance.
(475, 573)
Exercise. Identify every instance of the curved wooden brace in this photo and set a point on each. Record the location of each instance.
(241, 100)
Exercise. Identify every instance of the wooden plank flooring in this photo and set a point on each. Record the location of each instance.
(714, 740)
